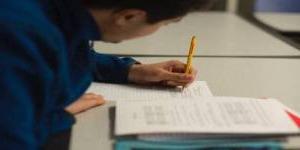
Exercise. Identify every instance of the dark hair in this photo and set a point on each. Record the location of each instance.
(157, 10)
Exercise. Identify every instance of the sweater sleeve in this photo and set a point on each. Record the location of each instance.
(112, 69)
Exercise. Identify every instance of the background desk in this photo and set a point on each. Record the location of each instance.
(221, 34)
(283, 22)
(278, 78)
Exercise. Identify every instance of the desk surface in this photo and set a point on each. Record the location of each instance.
(277, 78)
(223, 34)
(284, 22)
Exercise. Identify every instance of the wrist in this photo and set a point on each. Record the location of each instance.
(133, 75)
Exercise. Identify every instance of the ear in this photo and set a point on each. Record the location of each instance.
(130, 17)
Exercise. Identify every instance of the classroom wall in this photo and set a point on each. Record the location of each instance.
(277, 5)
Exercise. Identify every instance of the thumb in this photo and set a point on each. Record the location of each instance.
(178, 77)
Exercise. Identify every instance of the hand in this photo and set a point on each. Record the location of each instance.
(170, 73)
(85, 102)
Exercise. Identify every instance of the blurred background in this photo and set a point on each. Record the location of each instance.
(228, 28)
(279, 17)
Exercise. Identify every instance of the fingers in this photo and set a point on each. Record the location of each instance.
(166, 71)
(90, 96)
(84, 103)
(177, 77)
(176, 66)
(175, 84)
(194, 74)
(92, 99)
(179, 67)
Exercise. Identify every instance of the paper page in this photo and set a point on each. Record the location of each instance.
(290, 110)
(209, 115)
(207, 137)
(118, 92)
(188, 137)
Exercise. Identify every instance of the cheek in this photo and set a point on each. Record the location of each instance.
(150, 30)
(145, 31)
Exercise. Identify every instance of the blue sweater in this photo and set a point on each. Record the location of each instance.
(46, 63)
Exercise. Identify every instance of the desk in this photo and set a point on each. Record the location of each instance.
(222, 34)
(225, 76)
(249, 77)
(283, 22)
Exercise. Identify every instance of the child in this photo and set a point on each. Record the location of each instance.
(47, 62)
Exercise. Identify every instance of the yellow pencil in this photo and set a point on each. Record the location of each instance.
(190, 55)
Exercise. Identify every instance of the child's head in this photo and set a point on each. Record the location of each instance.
(126, 19)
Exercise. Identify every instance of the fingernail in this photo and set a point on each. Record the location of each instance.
(188, 77)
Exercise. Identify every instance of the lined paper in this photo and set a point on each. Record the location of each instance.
(116, 92)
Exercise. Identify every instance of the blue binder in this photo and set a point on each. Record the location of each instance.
(132, 144)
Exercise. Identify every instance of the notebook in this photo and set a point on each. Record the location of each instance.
(119, 92)
(219, 116)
